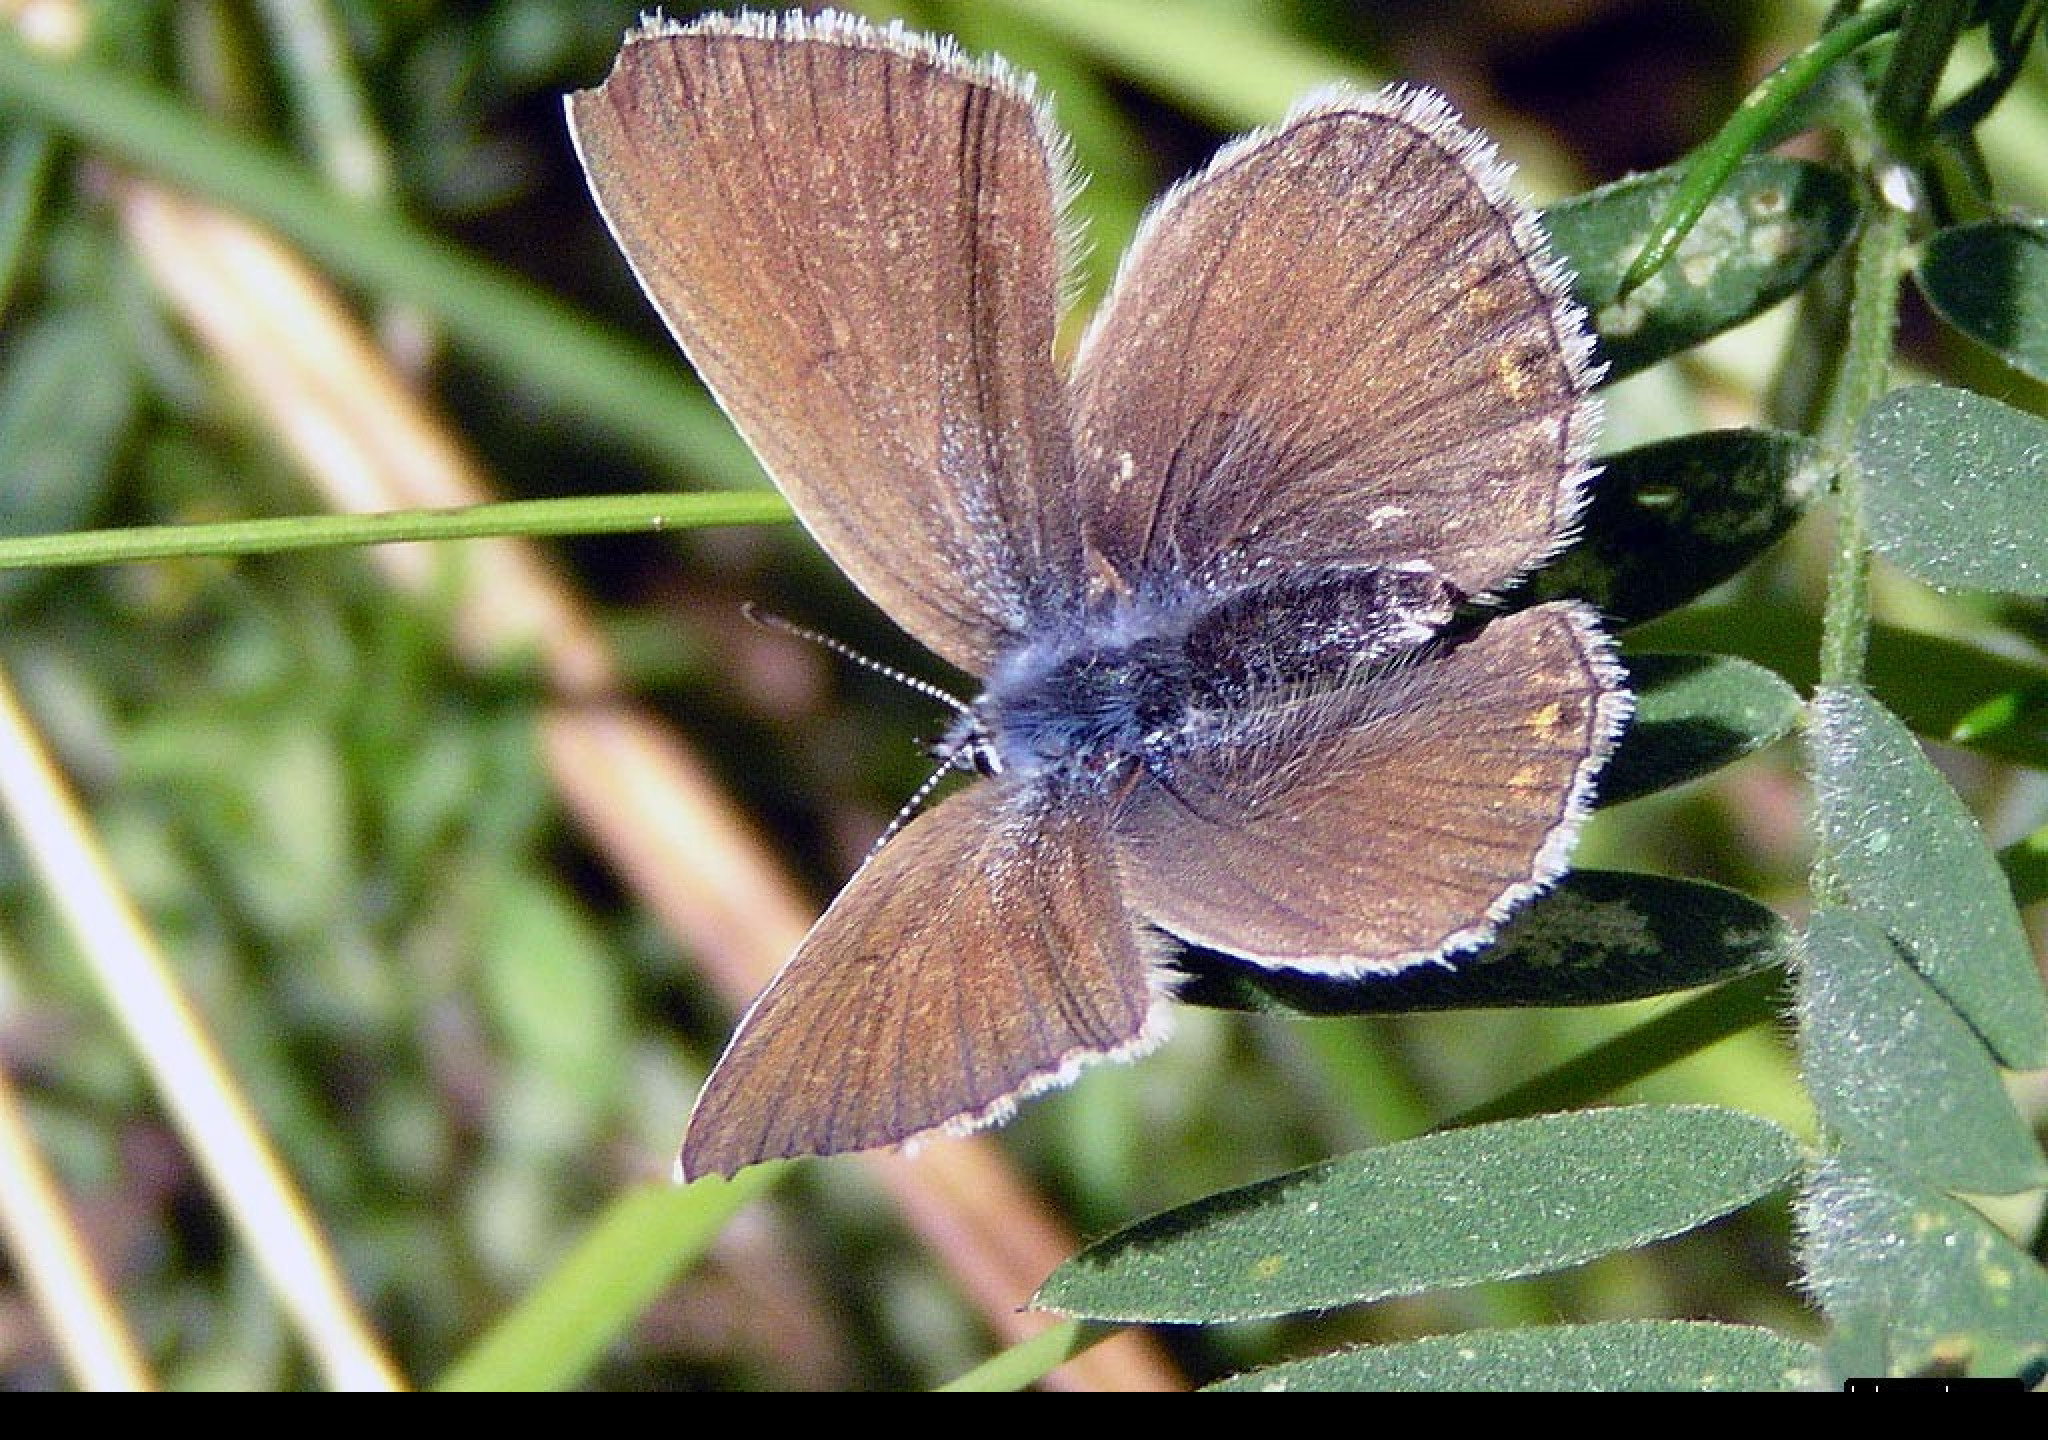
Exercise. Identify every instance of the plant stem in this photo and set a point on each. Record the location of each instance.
(334, 114)
(1927, 36)
(1751, 122)
(1876, 262)
(1865, 372)
(580, 515)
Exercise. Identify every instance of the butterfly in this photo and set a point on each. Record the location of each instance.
(1218, 578)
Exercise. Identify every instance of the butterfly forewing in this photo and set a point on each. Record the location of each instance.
(1388, 818)
(983, 954)
(854, 239)
(1342, 344)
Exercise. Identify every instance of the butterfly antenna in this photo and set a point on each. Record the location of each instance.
(949, 756)
(910, 808)
(769, 620)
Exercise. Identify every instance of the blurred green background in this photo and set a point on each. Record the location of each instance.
(464, 1035)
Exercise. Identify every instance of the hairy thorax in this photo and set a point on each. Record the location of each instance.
(1143, 681)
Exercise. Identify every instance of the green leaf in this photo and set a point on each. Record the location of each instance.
(1224, 63)
(1958, 488)
(1990, 281)
(1939, 686)
(1895, 1072)
(1488, 1203)
(1029, 1360)
(2008, 717)
(1963, 694)
(1927, 1278)
(1644, 1049)
(1599, 937)
(1906, 853)
(1771, 226)
(1670, 521)
(25, 152)
(1617, 1355)
(1694, 714)
(65, 404)
(552, 990)
(525, 334)
(2025, 863)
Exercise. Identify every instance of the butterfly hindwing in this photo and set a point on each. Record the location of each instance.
(1377, 822)
(982, 955)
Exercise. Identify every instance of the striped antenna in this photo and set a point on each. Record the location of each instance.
(769, 620)
(949, 751)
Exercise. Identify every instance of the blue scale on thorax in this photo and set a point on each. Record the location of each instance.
(1146, 679)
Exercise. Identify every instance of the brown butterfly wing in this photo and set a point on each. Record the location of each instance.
(982, 955)
(1391, 819)
(1341, 344)
(854, 241)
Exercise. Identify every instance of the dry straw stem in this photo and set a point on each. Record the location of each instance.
(647, 803)
(255, 1191)
(257, 1194)
(57, 1265)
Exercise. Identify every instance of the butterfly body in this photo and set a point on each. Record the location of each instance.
(1145, 681)
(1087, 712)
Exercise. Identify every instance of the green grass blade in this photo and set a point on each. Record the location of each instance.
(628, 1256)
